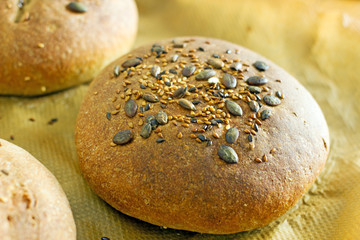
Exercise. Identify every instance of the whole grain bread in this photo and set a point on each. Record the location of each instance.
(33, 205)
(227, 158)
(50, 45)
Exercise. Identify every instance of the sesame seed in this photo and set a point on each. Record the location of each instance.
(185, 125)
(273, 150)
(215, 135)
(251, 146)
(180, 135)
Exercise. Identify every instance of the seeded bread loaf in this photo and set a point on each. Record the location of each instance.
(200, 134)
(32, 204)
(50, 45)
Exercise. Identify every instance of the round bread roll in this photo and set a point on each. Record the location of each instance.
(50, 45)
(32, 204)
(200, 134)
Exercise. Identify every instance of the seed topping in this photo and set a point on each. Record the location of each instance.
(123, 137)
(233, 108)
(272, 100)
(232, 135)
(77, 7)
(205, 74)
(229, 81)
(187, 104)
(228, 154)
(256, 80)
(133, 62)
(130, 108)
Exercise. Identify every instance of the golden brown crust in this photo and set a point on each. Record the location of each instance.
(45, 47)
(181, 183)
(32, 204)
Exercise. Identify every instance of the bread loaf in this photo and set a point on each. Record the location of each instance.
(49, 45)
(200, 134)
(32, 204)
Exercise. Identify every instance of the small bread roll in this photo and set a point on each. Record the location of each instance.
(51, 45)
(200, 134)
(33, 205)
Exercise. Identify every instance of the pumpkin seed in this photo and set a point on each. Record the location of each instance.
(229, 81)
(131, 108)
(155, 70)
(180, 92)
(254, 89)
(187, 104)
(261, 66)
(271, 100)
(232, 135)
(233, 108)
(227, 154)
(150, 97)
(123, 137)
(250, 138)
(146, 130)
(77, 7)
(188, 70)
(216, 62)
(153, 122)
(205, 74)
(116, 70)
(236, 66)
(254, 106)
(265, 114)
(161, 117)
(132, 62)
(257, 80)
(160, 140)
(149, 118)
(196, 102)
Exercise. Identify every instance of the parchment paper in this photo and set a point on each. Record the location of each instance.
(316, 41)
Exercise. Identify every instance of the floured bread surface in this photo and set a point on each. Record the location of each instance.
(33, 205)
(48, 45)
(200, 134)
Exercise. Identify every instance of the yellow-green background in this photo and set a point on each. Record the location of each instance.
(316, 41)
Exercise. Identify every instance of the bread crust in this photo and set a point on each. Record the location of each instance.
(45, 47)
(33, 205)
(183, 184)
